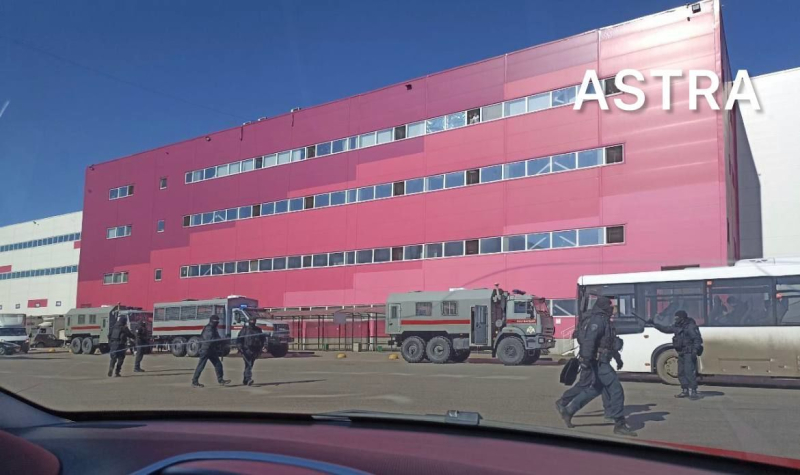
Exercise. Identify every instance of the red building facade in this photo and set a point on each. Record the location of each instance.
(478, 175)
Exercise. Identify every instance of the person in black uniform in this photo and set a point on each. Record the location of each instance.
(141, 344)
(598, 346)
(210, 350)
(689, 344)
(251, 343)
(118, 344)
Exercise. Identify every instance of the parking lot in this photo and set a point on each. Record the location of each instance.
(750, 418)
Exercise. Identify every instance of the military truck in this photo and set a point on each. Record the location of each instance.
(179, 324)
(446, 326)
(87, 328)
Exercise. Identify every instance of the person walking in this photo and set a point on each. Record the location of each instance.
(210, 350)
(118, 345)
(688, 342)
(598, 346)
(251, 343)
(141, 344)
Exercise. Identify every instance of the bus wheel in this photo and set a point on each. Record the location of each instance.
(278, 351)
(178, 346)
(511, 351)
(413, 349)
(87, 346)
(75, 346)
(460, 356)
(667, 367)
(193, 347)
(532, 357)
(438, 350)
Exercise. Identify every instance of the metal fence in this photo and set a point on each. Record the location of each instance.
(353, 329)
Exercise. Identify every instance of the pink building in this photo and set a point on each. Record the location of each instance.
(477, 175)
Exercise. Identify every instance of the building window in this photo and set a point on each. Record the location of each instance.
(115, 278)
(449, 309)
(397, 253)
(473, 116)
(162, 183)
(413, 252)
(492, 112)
(400, 132)
(58, 304)
(158, 275)
(423, 309)
(614, 154)
(471, 247)
(16, 306)
(120, 192)
(118, 232)
(160, 226)
(615, 235)
(610, 87)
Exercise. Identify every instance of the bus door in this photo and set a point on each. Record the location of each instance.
(738, 337)
(479, 320)
(786, 305)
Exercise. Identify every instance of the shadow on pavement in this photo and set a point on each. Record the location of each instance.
(705, 394)
(637, 415)
(280, 383)
(540, 362)
(146, 375)
(36, 358)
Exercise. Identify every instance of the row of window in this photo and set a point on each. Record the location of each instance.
(115, 278)
(187, 312)
(23, 274)
(41, 242)
(523, 105)
(17, 306)
(120, 192)
(509, 171)
(490, 245)
(557, 307)
(118, 232)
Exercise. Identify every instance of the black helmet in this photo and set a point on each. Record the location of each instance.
(214, 319)
(123, 320)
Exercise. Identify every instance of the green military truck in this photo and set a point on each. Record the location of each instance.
(446, 326)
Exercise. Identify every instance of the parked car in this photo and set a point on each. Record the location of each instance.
(46, 340)
(7, 348)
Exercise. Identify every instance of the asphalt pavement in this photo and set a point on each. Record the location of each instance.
(742, 417)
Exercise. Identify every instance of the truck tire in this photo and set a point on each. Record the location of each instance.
(3, 351)
(87, 346)
(75, 346)
(193, 347)
(178, 346)
(511, 351)
(532, 357)
(278, 351)
(438, 350)
(667, 366)
(460, 356)
(413, 349)
(104, 349)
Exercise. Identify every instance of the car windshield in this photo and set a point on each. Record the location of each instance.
(573, 216)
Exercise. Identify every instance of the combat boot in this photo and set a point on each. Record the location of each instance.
(693, 395)
(621, 428)
(224, 382)
(683, 394)
(565, 414)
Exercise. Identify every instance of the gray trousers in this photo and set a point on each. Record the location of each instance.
(601, 379)
(687, 370)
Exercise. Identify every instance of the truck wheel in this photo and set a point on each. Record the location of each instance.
(278, 351)
(511, 351)
(532, 357)
(460, 356)
(413, 349)
(75, 346)
(438, 350)
(667, 367)
(3, 351)
(87, 346)
(178, 346)
(193, 347)
(104, 349)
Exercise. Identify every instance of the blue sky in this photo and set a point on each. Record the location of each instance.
(88, 82)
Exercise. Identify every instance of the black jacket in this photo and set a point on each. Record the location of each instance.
(211, 341)
(141, 335)
(596, 335)
(251, 340)
(118, 336)
(687, 338)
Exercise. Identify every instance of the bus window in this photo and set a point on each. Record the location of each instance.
(787, 301)
(662, 300)
(618, 292)
(740, 302)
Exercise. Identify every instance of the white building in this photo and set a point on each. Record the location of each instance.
(769, 196)
(39, 265)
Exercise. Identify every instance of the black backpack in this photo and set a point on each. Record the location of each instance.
(570, 372)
